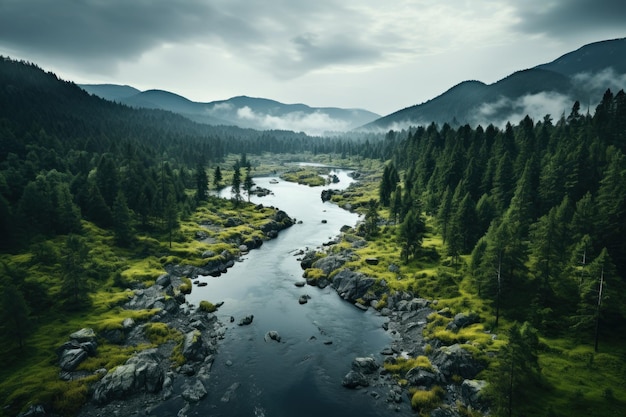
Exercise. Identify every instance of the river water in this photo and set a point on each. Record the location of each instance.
(301, 375)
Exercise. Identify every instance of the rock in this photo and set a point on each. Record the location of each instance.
(272, 335)
(351, 285)
(72, 358)
(194, 347)
(140, 373)
(454, 360)
(194, 392)
(308, 259)
(243, 249)
(202, 284)
(421, 377)
(371, 261)
(163, 280)
(300, 284)
(461, 320)
(84, 335)
(230, 393)
(444, 412)
(34, 411)
(354, 379)
(361, 306)
(233, 222)
(304, 299)
(330, 263)
(328, 194)
(365, 365)
(187, 369)
(471, 390)
(128, 323)
(208, 254)
(246, 320)
(115, 336)
(324, 221)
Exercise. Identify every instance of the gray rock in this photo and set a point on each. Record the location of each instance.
(272, 335)
(471, 390)
(246, 320)
(230, 393)
(194, 392)
(163, 280)
(208, 254)
(461, 320)
(454, 360)
(352, 285)
(444, 412)
(330, 263)
(372, 261)
(354, 379)
(128, 323)
(71, 358)
(194, 346)
(365, 365)
(421, 377)
(304, 299)
(141, 372)
(84, 335)
(308, 259)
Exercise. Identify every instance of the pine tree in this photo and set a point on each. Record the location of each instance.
(248, 183)
(411, 233)
(14, 314)
(217, 178)
(236, 184)
(202, 182)
(75, 285)
(122, 221)
(370, 225)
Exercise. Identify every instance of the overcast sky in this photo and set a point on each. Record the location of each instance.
(377, 55)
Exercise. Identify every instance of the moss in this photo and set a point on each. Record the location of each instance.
(207, 306)
(403, 365)
(186, 286)
(314, 274)
(422, 400)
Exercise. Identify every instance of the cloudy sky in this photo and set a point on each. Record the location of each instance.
(377, 55)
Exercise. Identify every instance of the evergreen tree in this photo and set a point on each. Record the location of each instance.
(122, 221)
(171, 215)
(75, 285)
(217, 178)
(67, 217)
(370, 225)
(396, 204)
(202, 182)
(445, 213)
(15, 322)
(248, 183)
(411, 233)
(235, 189)
(516, 370)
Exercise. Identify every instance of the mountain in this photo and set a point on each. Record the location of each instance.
(242, 111)
(550, 88)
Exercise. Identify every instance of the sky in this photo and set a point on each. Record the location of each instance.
(376, 55)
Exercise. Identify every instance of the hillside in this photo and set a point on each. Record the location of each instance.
(242, 111)
(545, 89)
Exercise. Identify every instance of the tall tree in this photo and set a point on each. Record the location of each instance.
(122, 226)
(411, 233)
(217, 178)
(75, 285)
(248, 183)
(202, 182)
(15, 322)
(235, 189)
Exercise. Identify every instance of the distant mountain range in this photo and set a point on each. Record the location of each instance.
(242, 111)
(552, 88)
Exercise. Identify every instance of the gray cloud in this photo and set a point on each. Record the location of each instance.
(562, 18)
(290, 37)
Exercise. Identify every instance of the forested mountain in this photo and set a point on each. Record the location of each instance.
(242, 111)
(540, 206)
(582, 75)
(67, 155)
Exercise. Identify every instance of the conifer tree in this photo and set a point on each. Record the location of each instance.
(236, 184)
(248, 183)
(202, 182)
(15, 322)
(122, 221)
(217, 178)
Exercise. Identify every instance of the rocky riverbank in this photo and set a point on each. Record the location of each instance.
(411, 363)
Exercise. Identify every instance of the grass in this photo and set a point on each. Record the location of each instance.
(207, 307)
(306, 176)
(403, 365)
(426, 400)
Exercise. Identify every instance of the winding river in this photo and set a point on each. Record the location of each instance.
(301, 375)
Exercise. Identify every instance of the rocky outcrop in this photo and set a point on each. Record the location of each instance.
(330, 263)
(471, 393)
(195, 348)
(365, 365)
(454, 360)
(352, 285)
(72, 353)
(246, 320)
(272, 335)
(354, 380)
(461, 320)
(141, 372)
(194, 392)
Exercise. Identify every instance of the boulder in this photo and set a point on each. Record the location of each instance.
(365, 365)
(194, 392)
(128, 323)
(84, 335)
(352, 285)
(330, 263)
(246, 320)
(233, 222)
(471, 390)
(71, 358)
(230, 393)
(420, 377)
(141, 372)
(454, 360)
(272, 335)
(304, 299)
(194, 346)
(461, 320)
(354, 379)
(308, 259)
(372, 261)
(163, 280)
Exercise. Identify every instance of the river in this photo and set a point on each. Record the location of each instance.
(301, 375)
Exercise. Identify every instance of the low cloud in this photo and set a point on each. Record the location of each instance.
(596, 84)
(536, 106)
(314, 124)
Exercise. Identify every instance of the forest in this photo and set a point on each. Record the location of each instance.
(533, 213)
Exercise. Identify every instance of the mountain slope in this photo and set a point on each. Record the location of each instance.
(242, 111)
(545, 89)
